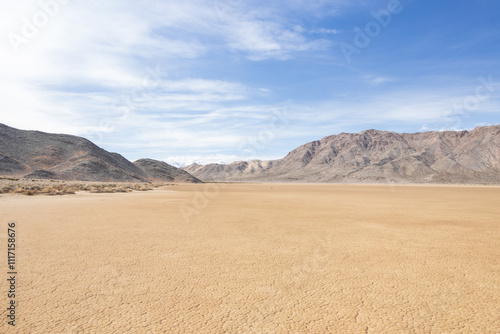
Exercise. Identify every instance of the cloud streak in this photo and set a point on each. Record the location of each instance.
(195, 79)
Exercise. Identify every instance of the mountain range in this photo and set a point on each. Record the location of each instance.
(371, 156)
(374, 156)
(39, 155)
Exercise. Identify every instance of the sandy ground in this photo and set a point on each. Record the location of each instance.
(261, 258)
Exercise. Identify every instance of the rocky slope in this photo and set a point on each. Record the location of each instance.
(161, 171)
(39, 155)
(374, 156)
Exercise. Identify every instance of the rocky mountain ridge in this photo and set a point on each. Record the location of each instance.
(374, 156)
(40, 155)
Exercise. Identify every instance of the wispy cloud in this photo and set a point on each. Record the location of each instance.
(185, 160)
(97, 49)
(325, 31)
(193, 80)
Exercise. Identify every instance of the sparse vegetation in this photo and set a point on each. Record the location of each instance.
(50, 189)
(9, 178)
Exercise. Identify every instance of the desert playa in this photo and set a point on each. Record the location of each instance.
(258, 258)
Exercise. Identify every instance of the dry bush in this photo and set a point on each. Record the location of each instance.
(9, 178)
(47, 190)
(68, 191)
(53, 188)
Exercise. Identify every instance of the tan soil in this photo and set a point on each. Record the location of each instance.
(261, 258)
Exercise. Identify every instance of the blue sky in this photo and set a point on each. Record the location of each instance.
(226, 80)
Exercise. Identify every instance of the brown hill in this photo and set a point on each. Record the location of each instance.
(376, 156)
(161, 171)
(35, 154)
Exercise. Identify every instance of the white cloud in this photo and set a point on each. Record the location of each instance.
(264, 40)
(186, 160)
(84, 73)
(377, 80)
(77, 67)
(325, 31)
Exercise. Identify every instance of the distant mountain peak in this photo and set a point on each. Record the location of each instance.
(375, 156)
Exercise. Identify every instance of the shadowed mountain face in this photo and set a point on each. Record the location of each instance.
(376, 157)
(35, 154)
(161, 171)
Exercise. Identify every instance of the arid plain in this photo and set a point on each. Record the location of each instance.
(257, 258)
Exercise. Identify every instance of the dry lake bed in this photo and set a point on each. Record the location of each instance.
(255, 258)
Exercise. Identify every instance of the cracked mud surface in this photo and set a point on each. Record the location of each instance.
(261, 258)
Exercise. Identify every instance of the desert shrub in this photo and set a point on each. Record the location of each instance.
(47, 190)
(9, 178)
(68, 191)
